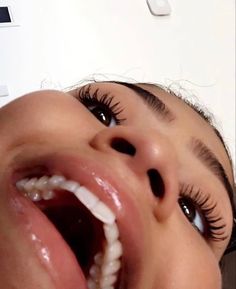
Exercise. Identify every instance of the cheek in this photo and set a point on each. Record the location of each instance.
(195, 270)
(46, 117)
(186, 277)
(183, 259)
(183, 268)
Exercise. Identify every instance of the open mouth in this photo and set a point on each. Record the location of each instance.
(85, 223)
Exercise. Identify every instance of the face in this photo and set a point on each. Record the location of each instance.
(106, 186)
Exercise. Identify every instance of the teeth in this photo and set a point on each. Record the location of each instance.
(95, 272)
(111, 267)
(34, 196)
(103, 273)
(103, 213)
(111, 232)
(92, 284)
(48, 195)
(113, 251)
(87, 198)
(108, 281)
(55, 181)
(98, 258)
(21, 184)
(70, 186)
(42, 183)
(29, 186)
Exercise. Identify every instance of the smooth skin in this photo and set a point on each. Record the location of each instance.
(172, 253)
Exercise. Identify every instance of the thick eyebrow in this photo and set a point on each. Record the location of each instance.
(208, 158)
(153, 101)
(200, 150)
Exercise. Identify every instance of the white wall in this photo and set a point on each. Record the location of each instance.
(59, 43)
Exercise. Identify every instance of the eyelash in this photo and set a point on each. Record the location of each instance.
(87, 98)
(206, 207)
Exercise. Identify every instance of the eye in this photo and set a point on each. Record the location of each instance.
(103, 107)
(201, 211)
(103, 114)
(192, 213)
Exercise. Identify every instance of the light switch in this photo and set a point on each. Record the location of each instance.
(3, 90)
(159, 7)
(8, 14)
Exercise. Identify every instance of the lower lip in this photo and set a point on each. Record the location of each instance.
(48, 245)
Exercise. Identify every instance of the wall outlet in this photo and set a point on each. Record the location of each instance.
(3, 90)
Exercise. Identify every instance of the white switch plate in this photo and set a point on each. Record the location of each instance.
(159, 7)
(4, 90)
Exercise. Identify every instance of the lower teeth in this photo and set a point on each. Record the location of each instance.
(104, 272)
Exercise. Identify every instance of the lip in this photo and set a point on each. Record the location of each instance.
(108, 186)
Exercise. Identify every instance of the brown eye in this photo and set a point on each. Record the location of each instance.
(102, 115)
(192, 213)
(188, 208)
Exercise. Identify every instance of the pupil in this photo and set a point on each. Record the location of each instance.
(101, 115)
(188, 208)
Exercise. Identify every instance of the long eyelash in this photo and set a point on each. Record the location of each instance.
(87, 98)
(207, 208)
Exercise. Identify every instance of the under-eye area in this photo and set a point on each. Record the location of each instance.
(86, 224)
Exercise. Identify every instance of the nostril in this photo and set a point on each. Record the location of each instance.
(123, 146)
(156, 183)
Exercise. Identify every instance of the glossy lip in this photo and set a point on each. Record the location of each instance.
(108, 187)
(52, 251)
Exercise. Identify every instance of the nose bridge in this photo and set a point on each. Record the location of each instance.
(154, 150)
(149, 153)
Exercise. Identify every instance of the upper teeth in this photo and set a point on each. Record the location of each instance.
(104, 271)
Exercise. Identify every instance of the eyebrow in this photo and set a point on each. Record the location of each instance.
(200, 150)
(153, 101)
(208, 158)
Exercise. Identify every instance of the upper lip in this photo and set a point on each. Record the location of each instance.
(108, 186)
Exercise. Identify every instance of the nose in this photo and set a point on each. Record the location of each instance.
(150, 155)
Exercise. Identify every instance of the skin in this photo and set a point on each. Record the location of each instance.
(172, 253)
